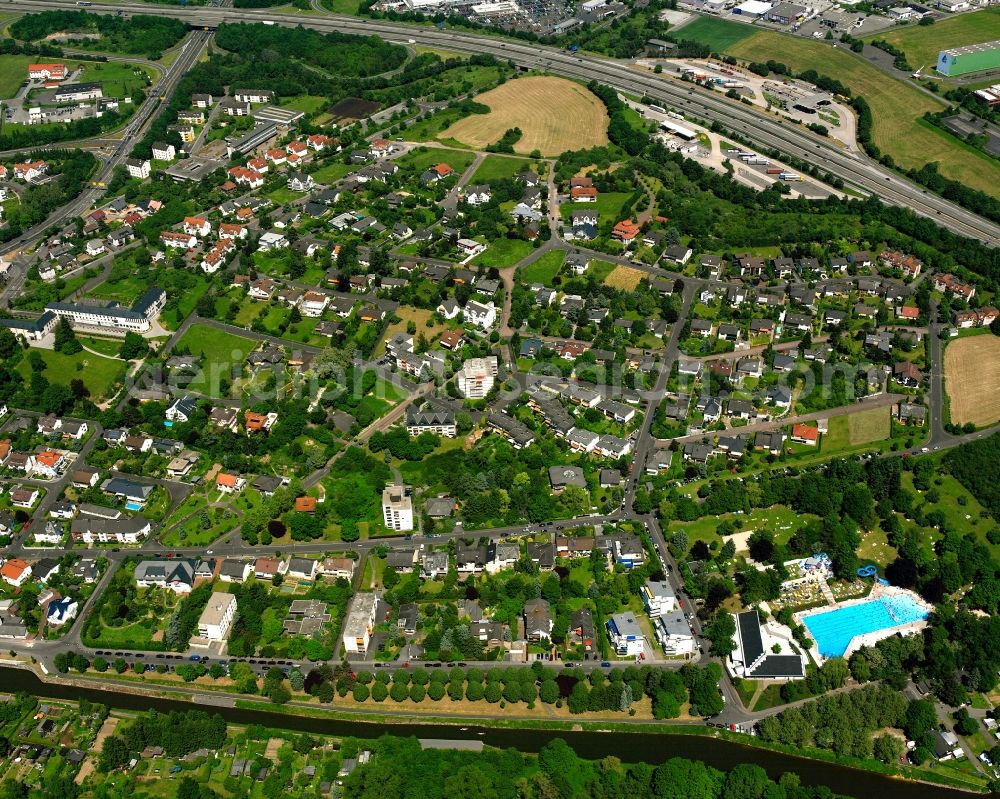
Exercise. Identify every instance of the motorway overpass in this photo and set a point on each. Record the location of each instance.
(856, 170)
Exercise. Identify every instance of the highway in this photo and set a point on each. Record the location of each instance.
(192, 48)
(856, 170)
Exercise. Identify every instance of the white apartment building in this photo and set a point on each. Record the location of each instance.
(658, 597)
(476, 377)
(217, 617)
(397, 508)
(360, 622)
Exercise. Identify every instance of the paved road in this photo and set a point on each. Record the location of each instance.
(17, 275)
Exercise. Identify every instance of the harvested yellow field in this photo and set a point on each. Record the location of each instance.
(624, 278)
(554, 115)
(971, 377)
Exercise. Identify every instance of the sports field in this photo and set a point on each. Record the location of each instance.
(553, 114)
(896, 107)
(921, 43)
(972, 374)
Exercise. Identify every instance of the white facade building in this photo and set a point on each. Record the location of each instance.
(217, 617)
(397, 508)
(476, 377)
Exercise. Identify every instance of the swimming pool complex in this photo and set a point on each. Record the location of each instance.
(834, 629)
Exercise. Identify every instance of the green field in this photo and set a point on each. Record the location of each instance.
(309, 103)
(609, 205)
(716, 33)
(503, 253)
(117, 77)
(332, 172)
(868, 426)
(421, 159)
(779, 519)
(921, 43)
(497, 167)
(105, 346)
(13, 72)
(222, 352)
(544, 269)
(97, 373)
(896, 106)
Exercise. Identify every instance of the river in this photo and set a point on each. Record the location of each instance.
(629, 747)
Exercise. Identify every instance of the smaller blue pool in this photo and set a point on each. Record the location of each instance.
(834, 629)
(133, 506)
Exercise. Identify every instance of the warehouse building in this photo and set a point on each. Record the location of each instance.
(970, 58)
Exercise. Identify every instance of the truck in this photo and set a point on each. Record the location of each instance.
(573, 47)
(789, 176)
(775, 171)
(757, 160)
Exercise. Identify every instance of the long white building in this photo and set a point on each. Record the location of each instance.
(114, 317)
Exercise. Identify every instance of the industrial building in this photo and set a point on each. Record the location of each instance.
(970, 58)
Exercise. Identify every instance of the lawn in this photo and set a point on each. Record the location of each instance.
(715, 33)
(868, 426)
(98, 374)
(544, 269)
(608, 206)
(498, 167)
(105, 346)
(779, 519)
(599, 270)
(553, 114)
(13, 72)
(331, 172)
(503, 253)
(407, 314)
(283, 195)
(921, 43)
(221, 350)
(896, 106)
(307, 103)
(424, 158)
(117, 77)
(125, 291)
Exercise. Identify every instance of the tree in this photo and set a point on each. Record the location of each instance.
(720, 631)
(548, 692)
(133, 347)
(65, 341)
(887, 748)
(920, 718)
(745, 781)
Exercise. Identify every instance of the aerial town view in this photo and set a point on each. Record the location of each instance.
(499, 399)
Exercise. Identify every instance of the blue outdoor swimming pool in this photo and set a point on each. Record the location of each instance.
(834, 629)
(133, 506)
